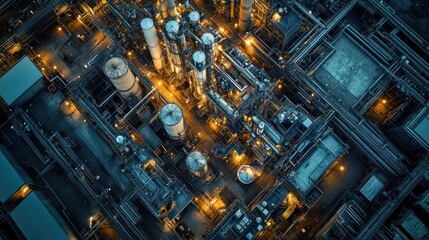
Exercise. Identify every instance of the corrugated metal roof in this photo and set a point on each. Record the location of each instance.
(18, 80)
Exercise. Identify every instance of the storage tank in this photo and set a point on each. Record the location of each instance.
(172, 29)
(194, 20)
(172, 117)
(197, 163)
(116, 69)
(208, 42)
(245, 15)
(260, 129)
(151, 38)
(199, 63)
(246, 174)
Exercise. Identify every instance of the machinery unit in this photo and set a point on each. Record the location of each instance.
(172, 117)
(245, 15)
(116, 69)
(197, 163)
(149, 33)
(246, 174)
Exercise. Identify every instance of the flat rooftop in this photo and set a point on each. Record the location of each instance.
(349, 72)
(35, 220)
(18, 79)
(317, 162)
(418, 127)
(10, 180)
(372, 188)
(415, 227)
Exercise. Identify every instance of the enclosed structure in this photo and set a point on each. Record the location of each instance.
(116, 69)
(149, 33)
(21, 82)
(246, 174)
(197, 163)
(172, 117)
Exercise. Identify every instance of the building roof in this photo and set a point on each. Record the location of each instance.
(372, 187)
(415, 227)
(21, 77)
(419, 127)
(10, 180)
(35, 221)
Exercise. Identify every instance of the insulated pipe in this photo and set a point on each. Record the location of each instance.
(245, 14)
(149, 33)
(171, 6)
(249, 129)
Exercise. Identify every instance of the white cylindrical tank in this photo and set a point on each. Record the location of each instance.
(194, 19)
(149, 33)
(208, 42)
(164, 9)
(172, 117)
(171, 8)
(199, 62)
(172, 29)
(116, 69)
(197, 163)
(246, 174)
(245, 15)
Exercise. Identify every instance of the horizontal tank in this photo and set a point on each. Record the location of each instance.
(197, 163)
(172, 117)
(116, 69)
(246, 174)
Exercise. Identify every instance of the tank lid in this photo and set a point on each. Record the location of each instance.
(246, 174)
(196, 161)
(172, 26)
(194, 16)
(115, 67)
(146, 23)
(207, 39)
(120, 139)
(199, 57)
(171, 114)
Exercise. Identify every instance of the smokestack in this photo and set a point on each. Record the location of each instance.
(245, 14)
(149, 33)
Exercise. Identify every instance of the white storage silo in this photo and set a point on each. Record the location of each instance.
(149, 33)
(116, 69)
(172, 117)
(197, 163)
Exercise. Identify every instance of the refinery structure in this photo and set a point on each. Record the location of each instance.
(214, 119)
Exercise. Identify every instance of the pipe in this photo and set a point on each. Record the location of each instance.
(249, 129)
(151, 38)
(245, 15)
(268, 130)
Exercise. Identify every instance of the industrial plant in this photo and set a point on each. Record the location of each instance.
(214, 119)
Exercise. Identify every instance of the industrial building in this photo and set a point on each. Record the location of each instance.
(209, 119)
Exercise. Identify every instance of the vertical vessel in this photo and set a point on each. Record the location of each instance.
(117, 70)
(172, 118)
(245, 15)
(197, 163)
(149, 33)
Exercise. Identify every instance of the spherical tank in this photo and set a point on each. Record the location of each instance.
(116, 69)
(172, 117)
(246, 174)
(197, 163)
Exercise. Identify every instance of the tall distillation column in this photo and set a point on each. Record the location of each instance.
(199, 64)
(149, 33)
(117, 70)
(207, 40)
(171, 6)
(172, 117)
(245, 15)
(176, 44)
